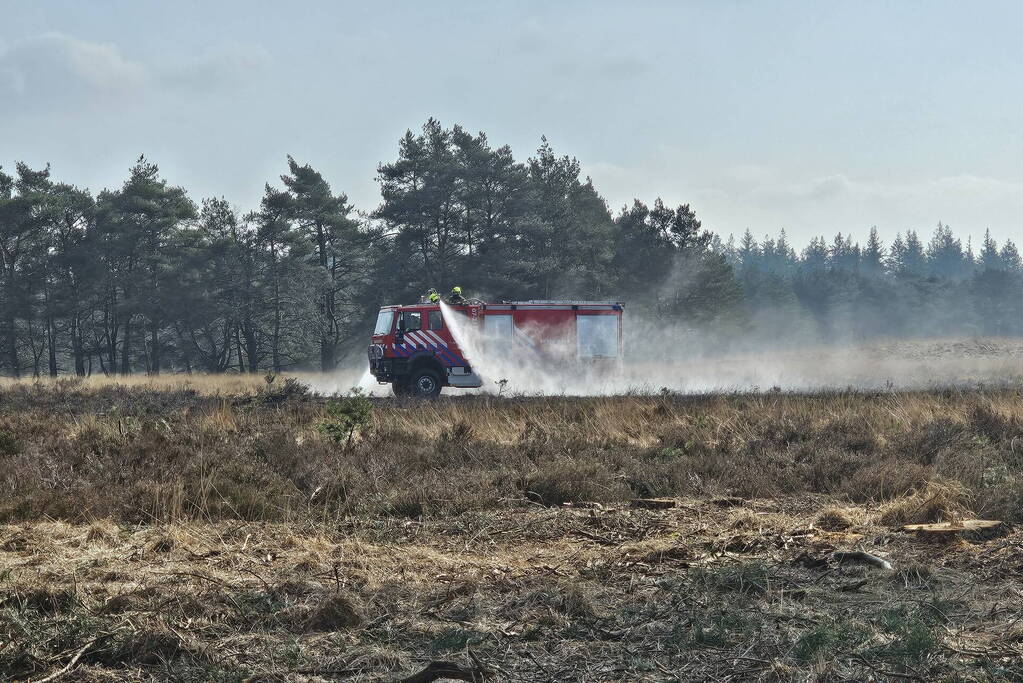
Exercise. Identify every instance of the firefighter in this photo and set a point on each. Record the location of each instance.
(433, 296)
(456, 296)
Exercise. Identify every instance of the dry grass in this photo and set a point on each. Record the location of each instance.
(197, 535)
(141, 455)
(565, 594)
(835, 518)
(202, 384)
(936, 502)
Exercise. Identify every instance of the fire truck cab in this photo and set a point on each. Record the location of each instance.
(415, 351)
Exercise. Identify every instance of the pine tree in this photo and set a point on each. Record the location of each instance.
(913, 261)
(844, 255)
(989, 258)
(1009, 256)
(816, 255)
(873, 254)
(340, 249)
(945, 257)
(138, 226)
(748, 252)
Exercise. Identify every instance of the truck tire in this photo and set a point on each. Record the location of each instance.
(425, 383)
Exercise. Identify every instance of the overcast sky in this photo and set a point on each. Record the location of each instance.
(814, 117)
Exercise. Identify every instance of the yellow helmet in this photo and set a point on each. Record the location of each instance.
(434, 297)
(456, 290)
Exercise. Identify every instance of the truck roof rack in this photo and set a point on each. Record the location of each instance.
(565, 302)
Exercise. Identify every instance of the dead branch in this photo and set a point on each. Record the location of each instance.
(438, 670)
(864, 557)
(74, 660)
(654, 503)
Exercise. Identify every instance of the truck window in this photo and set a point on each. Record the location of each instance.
(412, 320)
(597, 335)
(498, 333)
(436, 320)
(384, 320)
(497, 327)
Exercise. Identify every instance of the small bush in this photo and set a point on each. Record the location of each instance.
(721, 628)
(454, 640)
(8, 444)
(567, 480)
(752, 579)
(149, 647)
(292, 390)
(885, 480)
(813, 643)
(346, 417)
(912, 638)
(567, 599)
(326, 612)
(994, 425)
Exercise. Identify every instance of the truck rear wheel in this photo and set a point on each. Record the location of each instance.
(425, 383)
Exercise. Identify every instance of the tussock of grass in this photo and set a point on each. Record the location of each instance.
(834, 518)
(102, 532)
(936, 502)
(325, 612)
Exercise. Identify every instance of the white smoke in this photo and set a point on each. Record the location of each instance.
(687, 361)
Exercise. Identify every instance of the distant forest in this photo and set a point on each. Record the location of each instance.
(143, 279)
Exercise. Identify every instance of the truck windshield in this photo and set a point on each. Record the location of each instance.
(384, 320)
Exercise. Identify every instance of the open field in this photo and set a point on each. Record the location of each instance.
(154, 533)
(880, 365)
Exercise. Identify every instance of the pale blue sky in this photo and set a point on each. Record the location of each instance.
(811, 116)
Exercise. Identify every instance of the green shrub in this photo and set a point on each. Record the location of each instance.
(813, 643)
(345, 417)
(9, 445)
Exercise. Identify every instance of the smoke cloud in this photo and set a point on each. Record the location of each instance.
(693, 361)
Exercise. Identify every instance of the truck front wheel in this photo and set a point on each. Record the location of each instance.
(425, 383)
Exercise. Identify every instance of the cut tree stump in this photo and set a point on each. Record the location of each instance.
(654, 503)
(970, 529)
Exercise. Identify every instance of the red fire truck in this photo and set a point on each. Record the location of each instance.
(414, 350)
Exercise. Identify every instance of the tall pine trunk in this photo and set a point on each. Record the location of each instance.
(111, 327)
(126, 348)
(77, 346)
(12, 347)
(327, 349)
(251, 348)
(154, 346)
(238, 345)
(276, 355)
(51, 342)
(276, 342)
(111, 365)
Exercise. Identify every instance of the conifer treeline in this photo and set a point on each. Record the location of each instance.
(142, 279)
(845, 291)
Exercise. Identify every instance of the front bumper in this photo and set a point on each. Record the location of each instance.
(387, 369)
